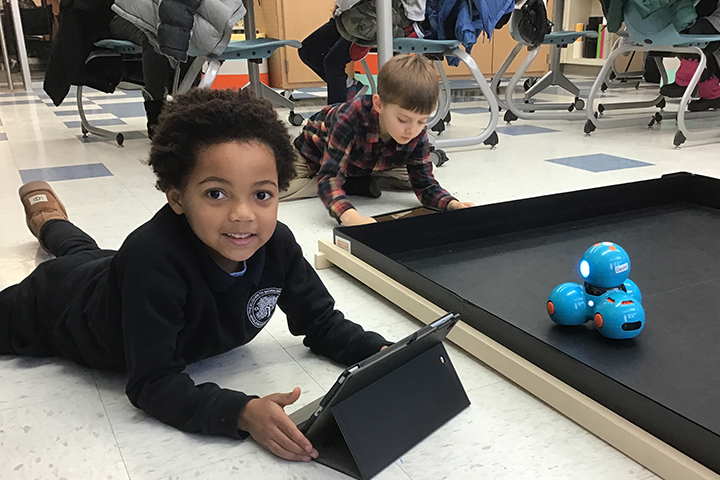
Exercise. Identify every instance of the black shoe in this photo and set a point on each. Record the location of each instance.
(365, 186)
(704, 104)
(152, 112)
(672, 90)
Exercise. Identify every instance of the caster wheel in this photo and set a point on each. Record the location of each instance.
(492, 140)
(661, 104)
(447, 119)
(571, 107)
(296, 119)
(603, 87)
(596, 115)
(589, 127)
(439, 127)
(509, 117)
(438, 157)
(579, 103)
(529, 82)
(119, 138)
(84, 131)
(679, 139)
(601, 109)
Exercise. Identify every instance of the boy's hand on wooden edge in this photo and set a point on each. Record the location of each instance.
(456, 205)
(266, 421)
(352, 217)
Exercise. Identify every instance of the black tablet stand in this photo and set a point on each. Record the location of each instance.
(376, 425)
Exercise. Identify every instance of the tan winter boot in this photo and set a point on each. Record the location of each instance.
(41, 204)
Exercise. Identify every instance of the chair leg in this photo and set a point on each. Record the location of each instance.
(488, 135)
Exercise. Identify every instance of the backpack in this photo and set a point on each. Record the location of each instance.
(534, 24)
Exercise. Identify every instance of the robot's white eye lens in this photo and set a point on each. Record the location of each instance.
(590, 303)
(584, 268)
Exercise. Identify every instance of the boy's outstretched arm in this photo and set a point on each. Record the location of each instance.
(311, 312)
(266, 421)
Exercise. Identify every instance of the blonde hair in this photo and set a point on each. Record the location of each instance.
(410, 82)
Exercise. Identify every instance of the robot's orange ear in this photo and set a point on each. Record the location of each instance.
(598, 320)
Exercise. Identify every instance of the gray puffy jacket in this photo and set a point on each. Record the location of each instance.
(175, 26)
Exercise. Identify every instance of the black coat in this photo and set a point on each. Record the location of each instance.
(81, 23)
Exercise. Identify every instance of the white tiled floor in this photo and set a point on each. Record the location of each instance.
(58, 420)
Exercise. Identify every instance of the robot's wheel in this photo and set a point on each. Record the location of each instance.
(296, 119)
(492, 140)
(509, 117)
(438, 157)
(119, 138)
(439, 127)
(589, 127)
(679, 139)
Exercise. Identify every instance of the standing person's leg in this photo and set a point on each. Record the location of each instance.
(156, 68)
(335, 62)
(317, 45)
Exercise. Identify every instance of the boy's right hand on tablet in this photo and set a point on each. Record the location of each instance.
(352, 217)
(266, 421)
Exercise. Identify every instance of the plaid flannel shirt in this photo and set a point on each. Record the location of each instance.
(343, 140)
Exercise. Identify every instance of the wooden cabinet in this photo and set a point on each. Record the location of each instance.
(297, 19)
(291, 19)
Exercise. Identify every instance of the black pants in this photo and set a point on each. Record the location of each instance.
(30, 310)
(156, 67)
(327, 53)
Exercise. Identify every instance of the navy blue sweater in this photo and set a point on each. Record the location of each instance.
(161, 303)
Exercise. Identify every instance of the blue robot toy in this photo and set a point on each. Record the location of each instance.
(607, 297)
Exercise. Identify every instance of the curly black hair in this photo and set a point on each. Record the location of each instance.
(201, 118)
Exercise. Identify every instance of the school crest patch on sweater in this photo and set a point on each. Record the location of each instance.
(262, 305)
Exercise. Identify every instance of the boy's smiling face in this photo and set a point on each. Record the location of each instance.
(230, 200)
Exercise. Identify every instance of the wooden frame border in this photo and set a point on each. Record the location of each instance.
(636, 443)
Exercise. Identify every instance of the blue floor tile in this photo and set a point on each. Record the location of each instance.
(3, 136)
(463, 84)
(124, 110)
(72, 172)
(70, 113)
(96, 123)
(469, 110)
(599, 162)
(20, 101)
(17, 94)
(516, 130)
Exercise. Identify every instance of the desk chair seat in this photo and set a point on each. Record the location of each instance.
(655, 33)
(554, 77)
(254, 50)
(108, 48)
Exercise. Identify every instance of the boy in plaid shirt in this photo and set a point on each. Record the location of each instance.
(345, 149)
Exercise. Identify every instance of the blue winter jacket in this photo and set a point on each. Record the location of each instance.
(472, 18)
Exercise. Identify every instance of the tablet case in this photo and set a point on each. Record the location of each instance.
(376, 425)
